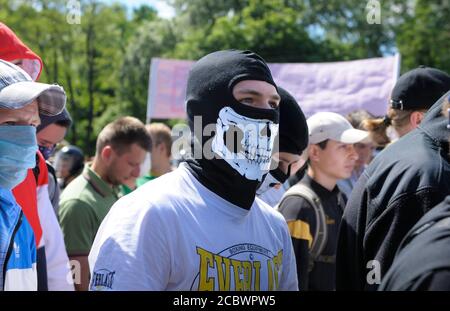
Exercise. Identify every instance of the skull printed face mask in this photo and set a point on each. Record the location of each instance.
(242, 137)
(244, 143)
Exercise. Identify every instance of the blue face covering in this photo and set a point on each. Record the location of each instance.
(18, 147)
(47, 151)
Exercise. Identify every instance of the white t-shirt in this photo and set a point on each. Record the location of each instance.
(272, 196)
(174, 234)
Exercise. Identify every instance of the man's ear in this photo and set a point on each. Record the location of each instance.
(107, 153)
(415, 118)
(314, 153)
(162, 148)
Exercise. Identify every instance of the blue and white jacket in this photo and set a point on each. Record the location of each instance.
(17, 247)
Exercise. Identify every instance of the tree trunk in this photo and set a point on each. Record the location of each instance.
(90, 53)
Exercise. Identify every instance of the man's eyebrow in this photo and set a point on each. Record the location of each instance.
(256, 93)
(46, 142)
(276, 97)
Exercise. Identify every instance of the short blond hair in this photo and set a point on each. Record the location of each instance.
(160, 133)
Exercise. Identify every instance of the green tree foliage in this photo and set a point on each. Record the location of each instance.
(151, 39)
(335, 29)
(346, 21)
(84, 58)
(424, 36)
(263, 26)
(201, 13)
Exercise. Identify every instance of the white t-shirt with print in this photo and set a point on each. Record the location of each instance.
(174, 234)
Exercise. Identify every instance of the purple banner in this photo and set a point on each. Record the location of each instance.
(339, 87)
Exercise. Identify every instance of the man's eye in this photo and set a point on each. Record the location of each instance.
(273, 104)
(246, 100)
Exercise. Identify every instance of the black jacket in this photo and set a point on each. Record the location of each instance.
(422, 261)
(402, 183)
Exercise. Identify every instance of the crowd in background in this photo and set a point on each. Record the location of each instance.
(324, 203)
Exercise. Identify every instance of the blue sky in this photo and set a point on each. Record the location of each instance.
(161, 6)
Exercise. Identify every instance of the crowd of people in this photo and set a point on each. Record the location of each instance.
(265, 199)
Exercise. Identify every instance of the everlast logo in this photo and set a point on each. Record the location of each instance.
(102, 279)
(218, 272)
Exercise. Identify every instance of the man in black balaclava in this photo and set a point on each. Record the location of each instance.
(199, 227)
(232, 174)
(51, 132)
(293, 140)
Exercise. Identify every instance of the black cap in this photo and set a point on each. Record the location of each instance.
(419, 88)
(64, 116)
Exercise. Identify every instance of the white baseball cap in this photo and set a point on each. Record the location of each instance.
(330, 125)
(17, 90)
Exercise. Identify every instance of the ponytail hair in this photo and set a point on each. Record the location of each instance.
(398, 119)
(377, 129)
(446, 111)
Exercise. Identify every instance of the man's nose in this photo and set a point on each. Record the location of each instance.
(136, 171)
(353, 154)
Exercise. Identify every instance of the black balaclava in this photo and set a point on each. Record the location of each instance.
(292, 138)
(46, 121)
(293, 133)
(209, 96)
